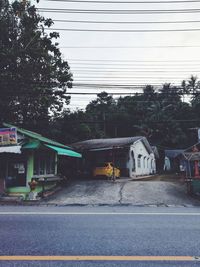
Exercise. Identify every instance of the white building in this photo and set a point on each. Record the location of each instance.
(141, 158)
(132, 155)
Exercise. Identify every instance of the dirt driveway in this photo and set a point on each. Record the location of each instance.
(124, 191)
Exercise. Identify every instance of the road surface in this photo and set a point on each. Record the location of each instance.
(99, 236)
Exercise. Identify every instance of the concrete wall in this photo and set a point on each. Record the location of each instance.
(140, 161)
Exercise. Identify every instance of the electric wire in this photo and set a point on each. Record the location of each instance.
(127, 2)
(121, 64)
(123, 30)
(75, 71)
(120, 11)
(127, 22)
(133, 60)
(127, 47)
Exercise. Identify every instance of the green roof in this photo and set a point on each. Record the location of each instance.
(34, 144)
(36, 136)
(65, 152)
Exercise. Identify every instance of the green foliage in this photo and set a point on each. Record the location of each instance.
(34, 79)
(165, 116)
(33, 76)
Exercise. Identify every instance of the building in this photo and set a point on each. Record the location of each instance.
(191, 157)
(26, 156)
(132, 155)
(173, 160)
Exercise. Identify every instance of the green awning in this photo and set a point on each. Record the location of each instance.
(65, 152)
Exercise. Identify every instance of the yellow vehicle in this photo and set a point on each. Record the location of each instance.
(106, 169)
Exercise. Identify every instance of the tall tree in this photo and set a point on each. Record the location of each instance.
(101, 110)
(33, 76)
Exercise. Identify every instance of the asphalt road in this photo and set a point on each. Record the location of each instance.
(99, 231)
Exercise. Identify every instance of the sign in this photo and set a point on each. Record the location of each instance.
(20, 167)
(8, 136)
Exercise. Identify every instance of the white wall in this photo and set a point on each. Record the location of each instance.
(144, 162)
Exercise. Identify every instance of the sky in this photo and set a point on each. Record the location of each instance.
(126, 51)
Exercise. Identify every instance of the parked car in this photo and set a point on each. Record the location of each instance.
(106, 169)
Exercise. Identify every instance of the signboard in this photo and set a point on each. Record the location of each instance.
(8, 136)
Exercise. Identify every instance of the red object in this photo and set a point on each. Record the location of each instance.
(196, 169)
(196, 164)
(32, 185)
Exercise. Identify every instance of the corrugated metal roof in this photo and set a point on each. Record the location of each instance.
(172, 153)
(110, 143)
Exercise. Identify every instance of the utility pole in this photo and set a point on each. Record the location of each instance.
(104, 123)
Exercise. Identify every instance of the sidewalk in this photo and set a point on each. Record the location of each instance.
(124, 192)
(120, 192)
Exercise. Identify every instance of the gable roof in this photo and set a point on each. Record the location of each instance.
(110, 143)
(36, 136)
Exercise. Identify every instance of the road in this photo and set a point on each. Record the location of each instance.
(99, 231)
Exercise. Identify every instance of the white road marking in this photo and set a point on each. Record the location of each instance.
(100, 213)
(95, 258)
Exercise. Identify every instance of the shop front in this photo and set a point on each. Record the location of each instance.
(32, 158)
(192, 169)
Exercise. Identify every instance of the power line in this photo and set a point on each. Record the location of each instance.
(128, 89)
(133, 60)
(119, 11)
(124, 77)
(128, 82)
(108, 87)
(142, 76)
(131, 66)
(129, 47)
(124, 31)
(110, 65)
(95, 93)
(127, 22)
(134, 70)
(127, 2)
(115, 85)
(121, 93)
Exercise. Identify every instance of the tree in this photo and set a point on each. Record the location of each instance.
(101, 110)
(149, 90)
(193, 84)
(72, 127)
(33, 76)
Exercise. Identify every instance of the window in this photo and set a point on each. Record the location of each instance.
(144, 159)
(16, 173)
(139, 161)
(44, 164)
(133, 161)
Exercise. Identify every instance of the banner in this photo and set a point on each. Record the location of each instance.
(8, 136)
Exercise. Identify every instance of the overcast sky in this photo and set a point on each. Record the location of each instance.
(124, 58)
